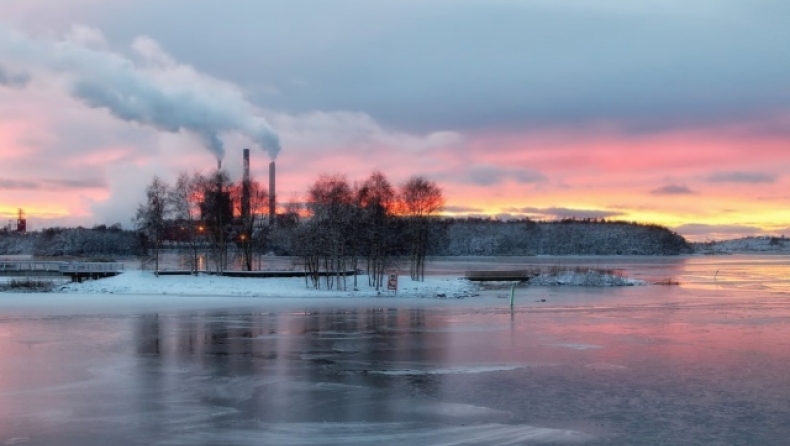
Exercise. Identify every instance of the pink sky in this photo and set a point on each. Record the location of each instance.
(726, 178)
(96, 98)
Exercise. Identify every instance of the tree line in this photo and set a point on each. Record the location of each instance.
(340, 227)
(525, 237)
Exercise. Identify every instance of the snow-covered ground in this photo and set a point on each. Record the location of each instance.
(145, 282)
(762, 244)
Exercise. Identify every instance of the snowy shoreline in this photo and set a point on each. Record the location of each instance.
(450, 287)
(145, 282)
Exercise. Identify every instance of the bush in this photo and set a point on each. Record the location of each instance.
(28, 285)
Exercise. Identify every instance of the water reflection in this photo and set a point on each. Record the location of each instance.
(680, 366)
(565, 371)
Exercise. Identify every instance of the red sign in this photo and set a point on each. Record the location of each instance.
(392, 282)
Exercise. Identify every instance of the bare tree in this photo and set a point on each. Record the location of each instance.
(419, 200)
(217, 216)
(376, 200)
(308, 245)
(151, 215)
(185, 199)
(330, 200)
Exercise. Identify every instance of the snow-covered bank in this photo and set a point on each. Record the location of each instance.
(762, 244)
(590, 278)
(145, 282)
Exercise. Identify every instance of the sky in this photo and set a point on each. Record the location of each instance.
(658, 111)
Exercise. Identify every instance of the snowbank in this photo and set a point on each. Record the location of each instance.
(590, 278)
(145, 282)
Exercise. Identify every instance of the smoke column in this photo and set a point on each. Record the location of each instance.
(272, 196)
(245, 187)
(151, 89)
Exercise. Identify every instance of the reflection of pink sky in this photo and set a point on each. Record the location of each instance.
(623, 340)
(490, 173)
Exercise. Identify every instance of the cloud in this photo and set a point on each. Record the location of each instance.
(51, 184)
(461, 209)
(509, 69)
(153, 90)
(560, 212)
(76, 184)
(672, 189)
(487, 175)
(6, 184)
(699, 231)
(742, 177)
(16, 80)
(342, 130)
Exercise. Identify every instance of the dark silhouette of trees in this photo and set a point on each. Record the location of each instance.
(185, 198)
(217, 215)
(151, 216)
(420, 199)
(484, 237)
(336, 229)
(329, 235)
(376, 203)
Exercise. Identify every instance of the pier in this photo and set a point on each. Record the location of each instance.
(77, 271)
(521, 275)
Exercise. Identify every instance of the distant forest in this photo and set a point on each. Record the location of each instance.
(449, 237)
(487, 237)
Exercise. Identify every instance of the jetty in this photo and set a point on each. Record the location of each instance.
(519, 275)
(77, 271)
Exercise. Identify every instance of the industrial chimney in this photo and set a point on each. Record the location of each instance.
(272, 195)
(245, 188)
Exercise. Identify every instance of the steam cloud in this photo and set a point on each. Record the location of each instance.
(150, 89)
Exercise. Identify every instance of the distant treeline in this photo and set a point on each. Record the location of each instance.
(99, 241)
(450, 237)
(488, 237)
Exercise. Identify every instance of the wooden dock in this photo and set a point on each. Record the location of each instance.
(520, 275)
(77, 271)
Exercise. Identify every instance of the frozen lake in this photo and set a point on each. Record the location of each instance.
(706, 362)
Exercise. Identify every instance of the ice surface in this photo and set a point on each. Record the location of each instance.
(354, 434)
(696, 364)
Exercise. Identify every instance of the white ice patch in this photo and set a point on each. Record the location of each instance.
(453, 410)
(578, 346)
(337, 386)
(605, 366)
(359, 434)
(462, 370)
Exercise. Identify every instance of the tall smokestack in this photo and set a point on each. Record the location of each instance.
(219, 164)
(245, 187)
(272, 195)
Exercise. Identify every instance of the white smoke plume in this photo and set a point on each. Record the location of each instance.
(148, 88)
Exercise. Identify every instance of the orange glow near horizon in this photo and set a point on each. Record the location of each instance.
(672, 178)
